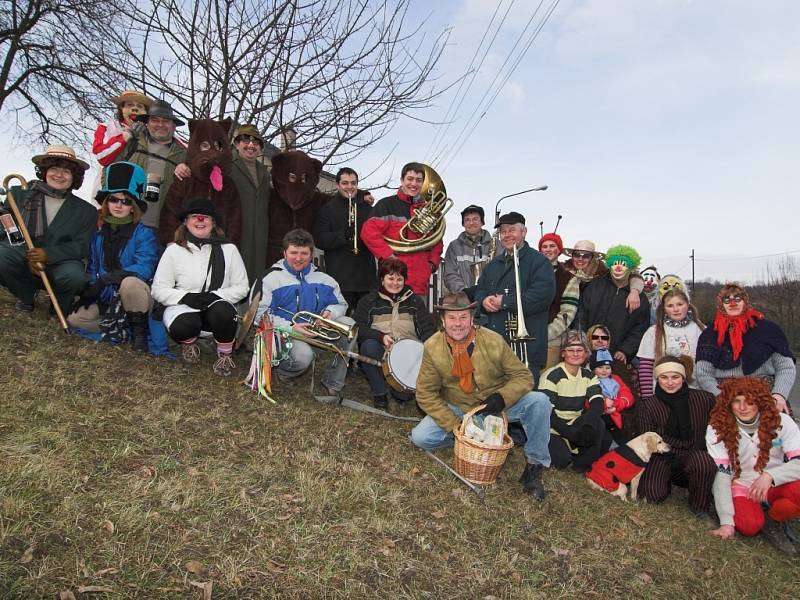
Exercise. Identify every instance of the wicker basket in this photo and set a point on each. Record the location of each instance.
(476, 461)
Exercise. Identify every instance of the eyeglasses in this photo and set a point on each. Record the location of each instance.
(732, 299)
(583, 255)
(597, 336)
(124, 201)
(248, 139)
(575, 350)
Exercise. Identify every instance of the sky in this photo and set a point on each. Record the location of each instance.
(667, 125)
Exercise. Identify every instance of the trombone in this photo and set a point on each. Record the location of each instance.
(352, 220)
(516, 329)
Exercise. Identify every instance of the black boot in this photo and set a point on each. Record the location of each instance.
(381, 401)
(531, 481)
(139, 328)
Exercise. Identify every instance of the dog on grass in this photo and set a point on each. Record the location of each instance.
(625, 465)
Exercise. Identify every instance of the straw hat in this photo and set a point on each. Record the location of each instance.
(131, 96)
(584, 246)
(62, 152)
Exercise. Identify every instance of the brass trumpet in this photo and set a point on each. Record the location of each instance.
(352, 220)
(326, 329)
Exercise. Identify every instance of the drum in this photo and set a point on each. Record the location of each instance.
(401, 365)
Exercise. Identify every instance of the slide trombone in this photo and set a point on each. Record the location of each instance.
(516, 328)
(352, 220)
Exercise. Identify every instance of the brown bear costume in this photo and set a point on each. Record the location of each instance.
(295, 201)
(209, 157)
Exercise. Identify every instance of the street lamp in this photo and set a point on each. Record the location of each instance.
(497, 206)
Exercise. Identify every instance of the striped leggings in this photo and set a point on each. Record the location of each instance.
(691, 469)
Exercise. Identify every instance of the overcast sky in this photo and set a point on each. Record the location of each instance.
(666, 125)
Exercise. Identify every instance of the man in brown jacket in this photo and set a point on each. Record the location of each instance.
(466, 365)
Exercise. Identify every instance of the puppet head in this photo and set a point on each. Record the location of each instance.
(669, 282)
(295, 176)
(209, 152)
(621, 260)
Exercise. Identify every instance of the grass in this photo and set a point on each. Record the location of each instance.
(153, 479)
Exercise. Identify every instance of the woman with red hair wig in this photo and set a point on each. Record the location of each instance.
(757, 452)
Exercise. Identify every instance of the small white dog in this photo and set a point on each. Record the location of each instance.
(625, 465)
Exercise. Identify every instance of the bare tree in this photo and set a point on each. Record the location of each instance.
(781, 296)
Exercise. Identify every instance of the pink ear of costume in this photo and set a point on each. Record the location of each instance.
(216, 178)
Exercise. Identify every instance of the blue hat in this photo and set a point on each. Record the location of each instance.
(600, 357)
(127, 178)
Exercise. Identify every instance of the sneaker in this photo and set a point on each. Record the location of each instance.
(190, 353)
(705, 518)
(531, 480)
(224, 365)
(23, 306)
(775, 535)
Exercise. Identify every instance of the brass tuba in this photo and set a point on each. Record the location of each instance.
(428, 221)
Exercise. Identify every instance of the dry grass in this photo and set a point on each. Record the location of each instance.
(151, 478)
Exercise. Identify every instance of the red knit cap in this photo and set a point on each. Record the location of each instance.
(552, 237)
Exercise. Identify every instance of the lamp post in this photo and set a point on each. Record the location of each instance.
(541, 188)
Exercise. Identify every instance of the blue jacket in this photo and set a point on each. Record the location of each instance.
(139, 257)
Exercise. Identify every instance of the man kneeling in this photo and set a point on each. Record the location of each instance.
(466, 365)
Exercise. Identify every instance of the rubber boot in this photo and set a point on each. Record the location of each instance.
(139, 328)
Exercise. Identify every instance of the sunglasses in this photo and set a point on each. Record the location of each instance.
(732, 299)
(583, 255)
(124, 201)
(597, 336)
(248, 139)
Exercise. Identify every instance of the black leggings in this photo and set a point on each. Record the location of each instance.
(219, 319)
(588, 434)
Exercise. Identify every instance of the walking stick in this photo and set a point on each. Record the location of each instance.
(6, 190)
(477, 489)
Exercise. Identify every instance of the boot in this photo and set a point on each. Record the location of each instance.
(381, 401)
(776, 536)
(139, 329)
(531, 481)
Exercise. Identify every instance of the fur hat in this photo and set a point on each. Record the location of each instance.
(131, 96)
(623, 253)
(199, 206)
(600, 357)
(61, 152)
(552, 237)
(127, 178)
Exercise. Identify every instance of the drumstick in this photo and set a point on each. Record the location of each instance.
(477, 489)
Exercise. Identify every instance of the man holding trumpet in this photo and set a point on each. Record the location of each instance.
(337, 231)
(299, 300)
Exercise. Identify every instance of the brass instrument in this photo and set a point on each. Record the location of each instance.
(5, 189)
(477, 267)
(428, 221)
(331, 347)
(352, 220)
(516, 329)
(326, 329)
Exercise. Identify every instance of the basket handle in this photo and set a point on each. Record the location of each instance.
(470, 414)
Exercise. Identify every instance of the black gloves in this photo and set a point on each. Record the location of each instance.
(494, 405)
(116, 277)
(91, 292)
(199, 300)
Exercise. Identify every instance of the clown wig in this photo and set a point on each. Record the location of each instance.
(724, 423)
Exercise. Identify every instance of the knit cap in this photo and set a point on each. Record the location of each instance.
(600, 357)
(552, 237)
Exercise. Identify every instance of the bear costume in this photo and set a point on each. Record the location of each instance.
(209, 156)
(293, 204)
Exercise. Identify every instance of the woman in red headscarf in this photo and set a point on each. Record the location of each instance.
(742, 342)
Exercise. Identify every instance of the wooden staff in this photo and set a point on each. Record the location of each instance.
(29, 242)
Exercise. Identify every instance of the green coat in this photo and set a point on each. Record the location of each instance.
(496, 370)
(254, 197)
(67, 237)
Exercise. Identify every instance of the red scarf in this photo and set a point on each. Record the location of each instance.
(736, 326)
(462, 361)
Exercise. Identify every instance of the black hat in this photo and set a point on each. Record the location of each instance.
(160, 108)
(199, 206)
(473, 208)
(511, 218)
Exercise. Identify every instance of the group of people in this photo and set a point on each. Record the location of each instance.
(581, 354)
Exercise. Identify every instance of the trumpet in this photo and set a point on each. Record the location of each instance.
(352, 220)
(326, 329)
(516, 329)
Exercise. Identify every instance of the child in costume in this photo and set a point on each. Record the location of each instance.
(111, 137)
(616, 395)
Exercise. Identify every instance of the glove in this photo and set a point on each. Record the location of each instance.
(494, 405)
(138, 128)
(117, 276)
(37, 260)
(91, 292)
(199, 300)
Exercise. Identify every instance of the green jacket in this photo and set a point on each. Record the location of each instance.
(254, 197)
(68, 236)
(496, 370)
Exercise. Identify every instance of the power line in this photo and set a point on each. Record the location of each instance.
(747, 257)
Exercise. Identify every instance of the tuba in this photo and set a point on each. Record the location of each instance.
(326, 329)
(428, 222)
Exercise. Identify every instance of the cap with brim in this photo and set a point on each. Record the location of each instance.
(473, 208)
(61, 152)
(250, 130)
(512, 218)
(131, 96)
(584, 246)
(445, 307)
(199, 206)
(162, 109)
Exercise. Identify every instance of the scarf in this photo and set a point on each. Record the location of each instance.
(751, 427)
(462, 361)
(216, 262)
(609, 387)
(682, 323)
(679, 422)
(33, 210)
(736, 327)
(115, 237)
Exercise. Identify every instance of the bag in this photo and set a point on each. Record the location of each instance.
(114, 322)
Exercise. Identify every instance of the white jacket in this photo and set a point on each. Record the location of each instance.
(183, 270)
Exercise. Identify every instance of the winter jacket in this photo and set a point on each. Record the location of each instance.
(138, 257)
(183, 270)
(602, 302)
(461, 254)
(406, 317)
(354, 273)
(285, 291)
(538, 286)
(254, 200)
(388, 217)
(496, 370)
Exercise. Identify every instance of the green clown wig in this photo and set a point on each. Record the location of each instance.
(624, 254)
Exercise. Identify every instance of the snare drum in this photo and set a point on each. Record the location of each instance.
(401, 364)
